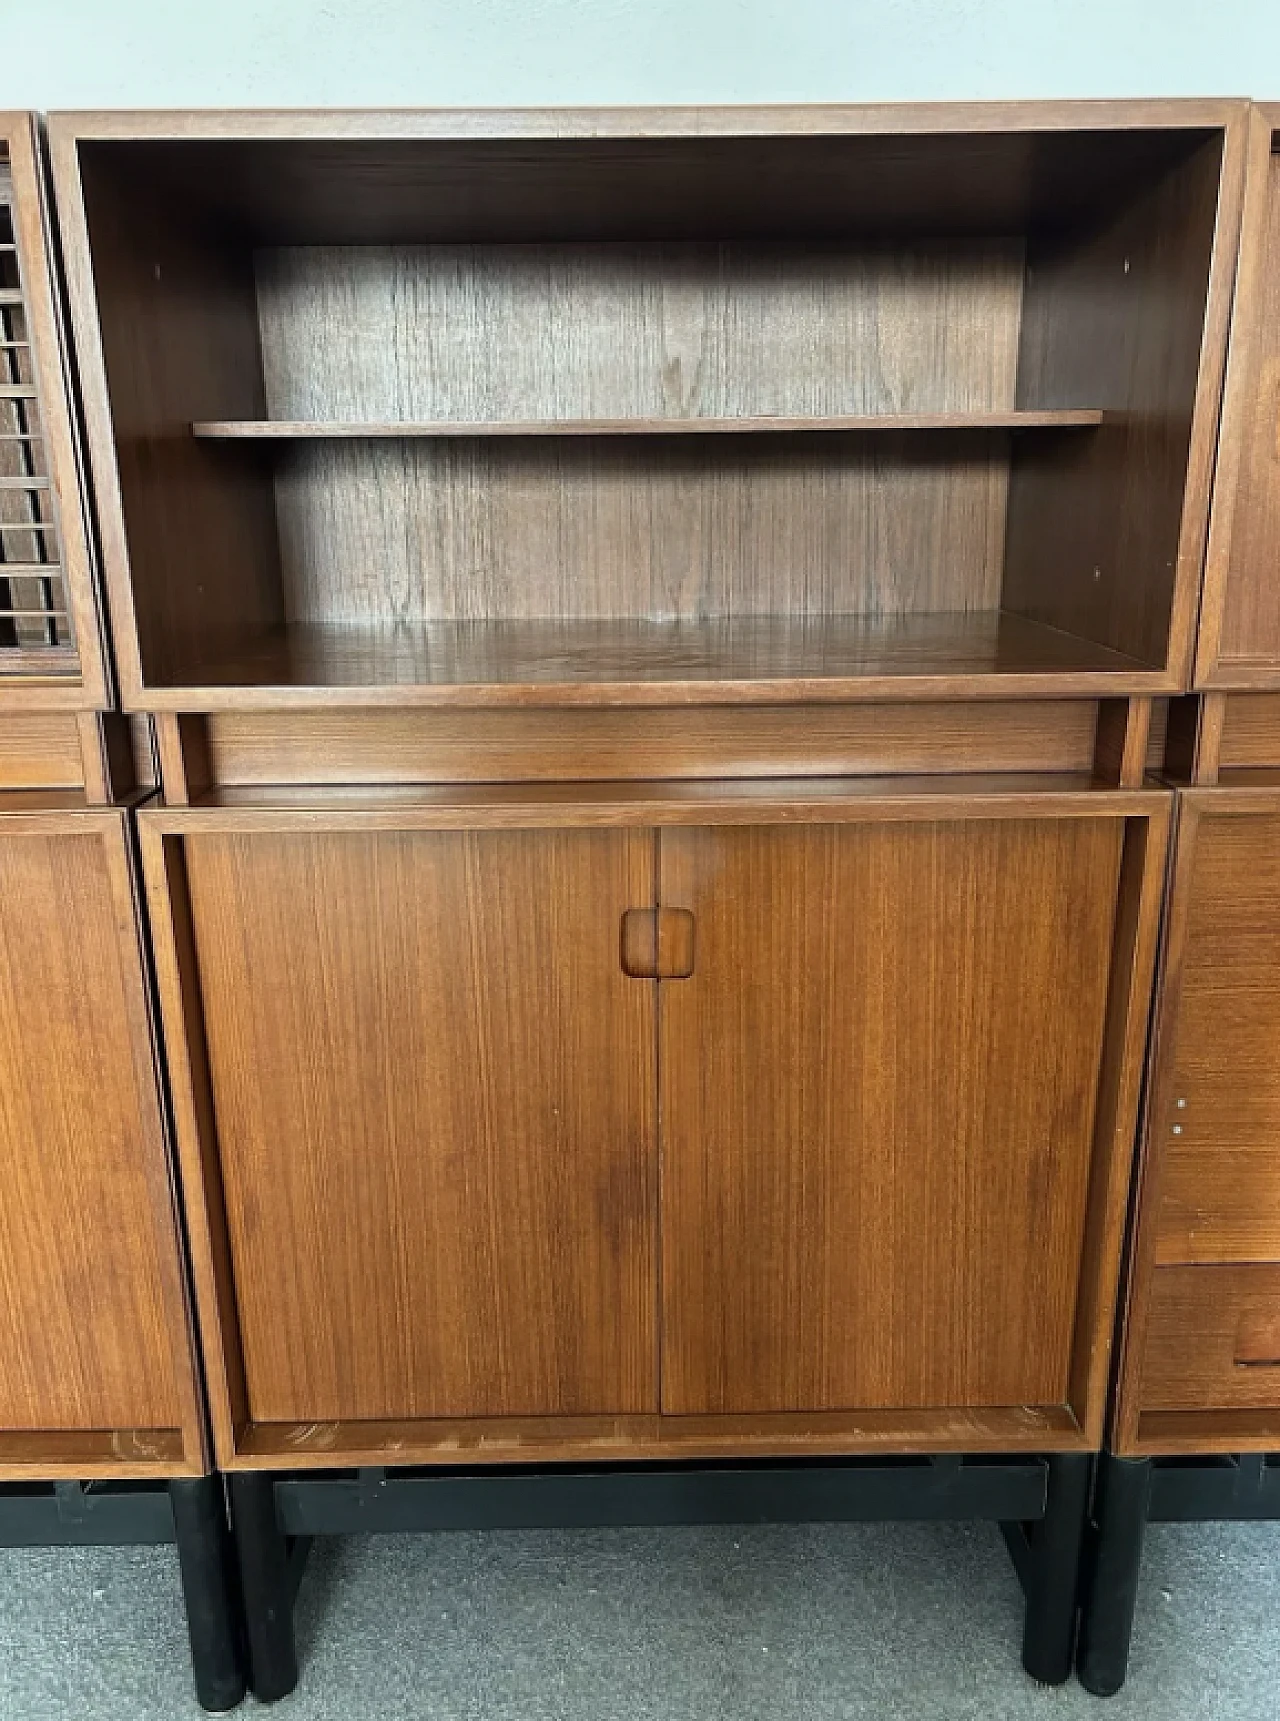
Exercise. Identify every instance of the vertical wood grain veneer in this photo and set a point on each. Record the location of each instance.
(96, 1363)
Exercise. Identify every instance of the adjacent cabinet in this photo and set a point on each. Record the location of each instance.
(103, 1434)
(1196, 1423)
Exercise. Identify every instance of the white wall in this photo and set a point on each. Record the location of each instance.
(158, 53)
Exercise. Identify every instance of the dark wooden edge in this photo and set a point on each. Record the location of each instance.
(91, 687)
(1241, 378)
(110, 826)
(194, 1129)
(1120, 747)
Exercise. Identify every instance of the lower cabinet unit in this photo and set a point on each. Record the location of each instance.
(658, 1121)
(98, 1383)
(96, 1370)
(1199, 1385)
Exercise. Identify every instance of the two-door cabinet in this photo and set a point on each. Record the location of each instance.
(102, 1426)
(1200, 1369)
(655, 624)
(652, 1121)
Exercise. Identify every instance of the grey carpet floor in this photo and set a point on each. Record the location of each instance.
(913, 1621)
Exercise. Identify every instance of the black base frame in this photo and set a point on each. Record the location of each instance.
(1040, 1503)
(190, 1511)
(1132, 1493)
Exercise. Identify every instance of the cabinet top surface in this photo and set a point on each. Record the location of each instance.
(642, 122)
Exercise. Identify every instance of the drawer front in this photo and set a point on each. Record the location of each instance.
(1213, 1339)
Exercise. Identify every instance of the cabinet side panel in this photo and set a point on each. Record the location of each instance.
(886, 1210)
(434, 1093)
(1106, 533)
(1251, 611)
(85, 1340)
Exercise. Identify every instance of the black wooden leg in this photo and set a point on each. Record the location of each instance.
(208, 1588)
(1114, 1561)
(1046, 1555)
(266, 1584)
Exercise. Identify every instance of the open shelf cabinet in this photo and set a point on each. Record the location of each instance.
(651, 408)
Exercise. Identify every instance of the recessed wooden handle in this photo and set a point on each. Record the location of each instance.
(1258, 1339)
(657, 943)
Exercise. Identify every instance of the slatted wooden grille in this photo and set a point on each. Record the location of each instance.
(35, 624)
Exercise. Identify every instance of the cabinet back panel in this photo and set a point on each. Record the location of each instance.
(435, 1099)
(617, 331)
(1220, 1177)
(84, 1337)
(1251, 615)
(592, 529)
(400, 532)
(886, 1211)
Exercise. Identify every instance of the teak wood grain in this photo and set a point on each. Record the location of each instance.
(230, 749)
(755, 660)
(1220, 1184)
(1239, 643)
(1213, 1339)
(1208, 1212)
(877, 1128)
(96, 1365)
(434, 1093)
(309, 1111)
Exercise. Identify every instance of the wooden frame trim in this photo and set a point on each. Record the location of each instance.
(90, 688)
(1139, 903)
(1209, 671)
(766, 801)
(1075, 1426)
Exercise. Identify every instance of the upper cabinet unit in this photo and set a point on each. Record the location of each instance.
(1240, 626)
(51, 654)
(652, 407)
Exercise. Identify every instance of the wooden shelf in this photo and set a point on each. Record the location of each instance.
(756, 660)
(286, 430)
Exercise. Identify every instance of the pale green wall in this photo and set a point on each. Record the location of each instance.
(156, 53)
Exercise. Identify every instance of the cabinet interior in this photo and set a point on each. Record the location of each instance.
(627, 419)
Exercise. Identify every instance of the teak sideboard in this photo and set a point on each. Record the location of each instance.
(656, 625)
(102, 1427)
(1199, 1384)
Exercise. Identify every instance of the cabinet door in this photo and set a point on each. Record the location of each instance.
(1220, 1174)
(95, 1361)
(878, 1089)
(434, 1091)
